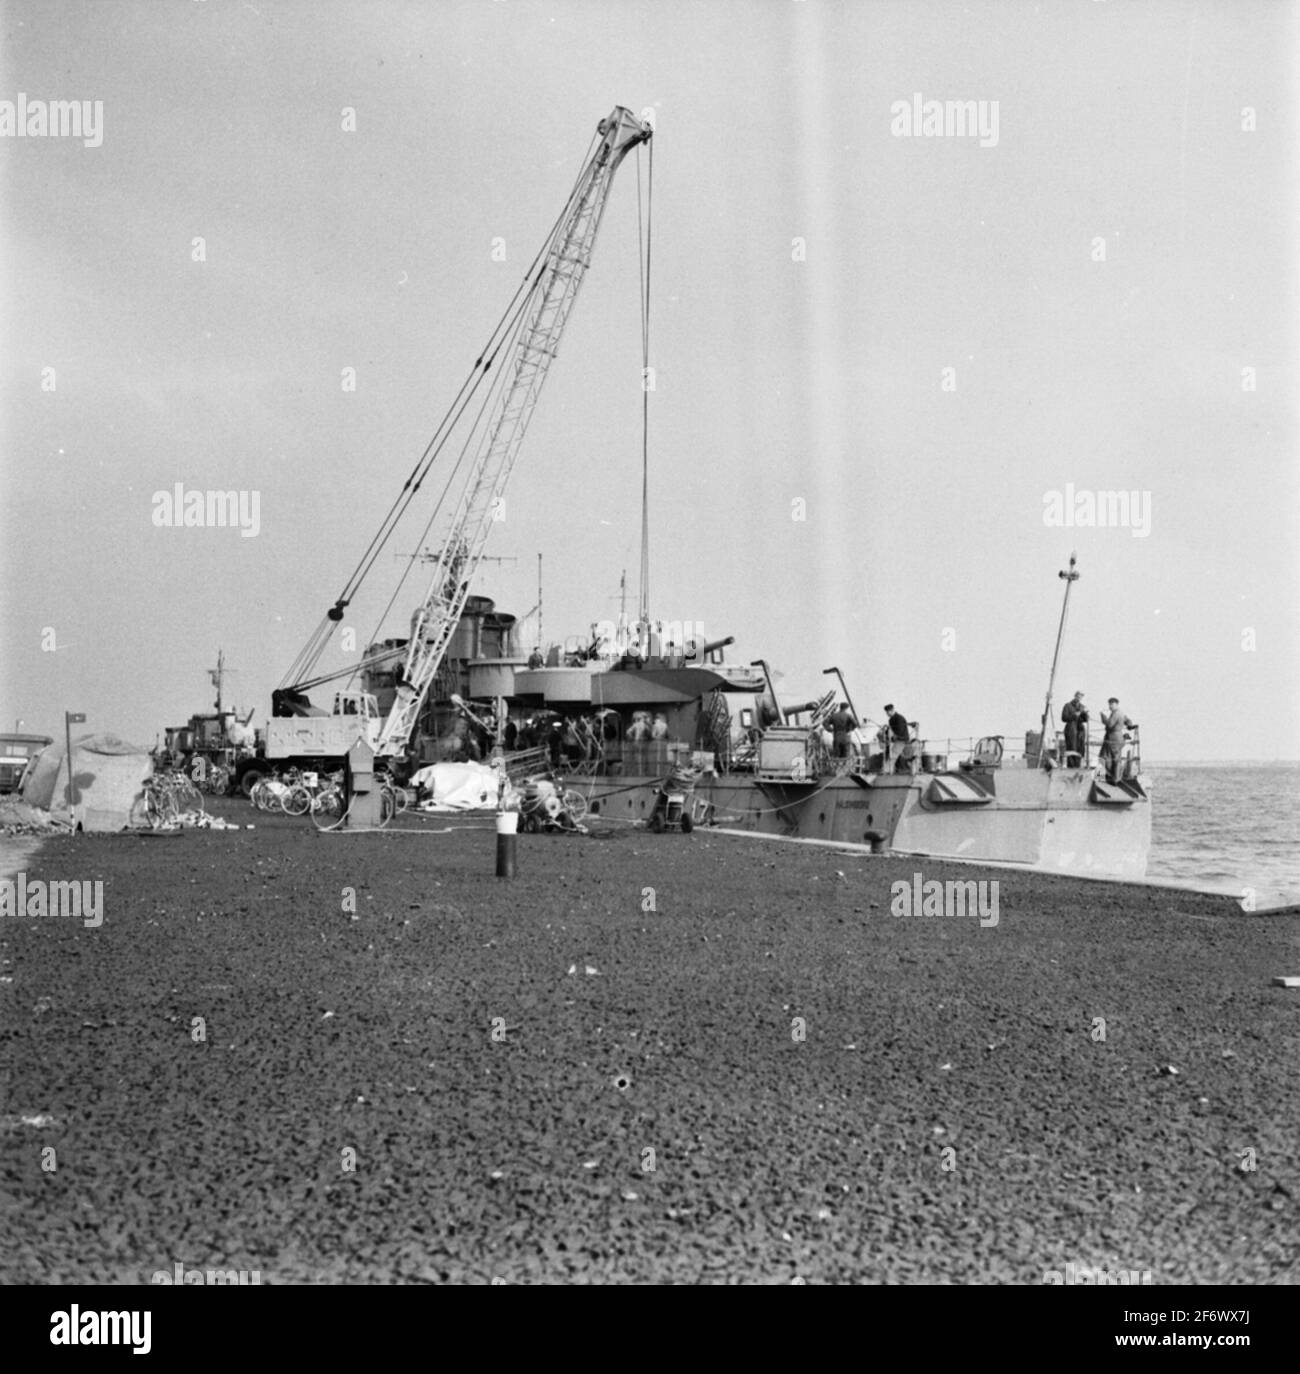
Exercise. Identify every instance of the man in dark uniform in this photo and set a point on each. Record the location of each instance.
(1074, 716)
(842, 726)
(899, 738)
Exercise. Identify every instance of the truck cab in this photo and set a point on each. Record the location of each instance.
(355, 716)
(362, 704)
(15, 752)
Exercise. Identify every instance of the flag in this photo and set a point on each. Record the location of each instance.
(75, 718)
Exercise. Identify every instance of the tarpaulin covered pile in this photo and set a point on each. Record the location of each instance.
(458, 786)
(108, 776)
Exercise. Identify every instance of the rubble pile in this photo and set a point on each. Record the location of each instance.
(20, 818)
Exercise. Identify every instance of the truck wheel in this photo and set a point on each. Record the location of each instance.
(687, 824)
(249, 780)
(657, 822)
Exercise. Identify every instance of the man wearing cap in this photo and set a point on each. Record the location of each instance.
(899, 737)
(897, 724)
(1114, 722)
(1074, 716)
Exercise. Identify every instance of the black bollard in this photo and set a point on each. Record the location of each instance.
(507, 825)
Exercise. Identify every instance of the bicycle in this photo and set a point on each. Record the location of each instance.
(159, 804)
(187, 796)
(217, 782)
(172, 794)
(300, 788)
(267, 793)
(396, 800)
(328, 806)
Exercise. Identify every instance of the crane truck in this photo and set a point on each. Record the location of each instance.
(299, 733)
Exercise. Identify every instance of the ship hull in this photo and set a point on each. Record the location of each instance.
(1068, 822)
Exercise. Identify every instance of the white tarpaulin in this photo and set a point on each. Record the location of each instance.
(108, 778)
(457, 786)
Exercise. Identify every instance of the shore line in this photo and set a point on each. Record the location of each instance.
(861, 850)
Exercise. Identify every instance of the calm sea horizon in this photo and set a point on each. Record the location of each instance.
(1229, 827)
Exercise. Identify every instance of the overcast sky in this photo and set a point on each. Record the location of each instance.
(1111, 279)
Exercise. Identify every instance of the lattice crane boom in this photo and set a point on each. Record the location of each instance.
(557, 282)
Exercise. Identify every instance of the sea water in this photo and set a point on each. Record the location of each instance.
(1228, 828)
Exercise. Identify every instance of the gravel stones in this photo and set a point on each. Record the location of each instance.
(766, 1077)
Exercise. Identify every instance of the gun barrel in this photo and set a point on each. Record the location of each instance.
(712, 645)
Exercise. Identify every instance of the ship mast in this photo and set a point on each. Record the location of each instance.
(1070, 577)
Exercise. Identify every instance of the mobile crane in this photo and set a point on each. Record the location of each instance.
(529, 335)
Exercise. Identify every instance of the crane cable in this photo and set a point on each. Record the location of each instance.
(643, 253)
(503, 333)
(489, 399)
(515, 329)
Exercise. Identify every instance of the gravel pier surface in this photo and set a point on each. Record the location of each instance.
(648, 1058)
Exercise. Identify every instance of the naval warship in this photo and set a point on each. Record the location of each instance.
(631, 712)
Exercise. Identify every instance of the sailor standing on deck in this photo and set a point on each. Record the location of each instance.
(842, 726)
(1114, 722)
(899, 738)
(1074, 716)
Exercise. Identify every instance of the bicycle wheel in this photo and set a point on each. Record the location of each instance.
(576, 805)
(327, 809)
(296, 801)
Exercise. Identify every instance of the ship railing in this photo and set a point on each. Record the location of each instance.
(1129, 764)
(941, 754)
(1091, 756)
(523, 763)
(993, 751)
(934, 754)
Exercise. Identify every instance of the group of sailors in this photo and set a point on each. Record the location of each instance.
(894, 739)
(577, 739)
(582, 739)
(573, 739)
(1114, 723)
(897, 737)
